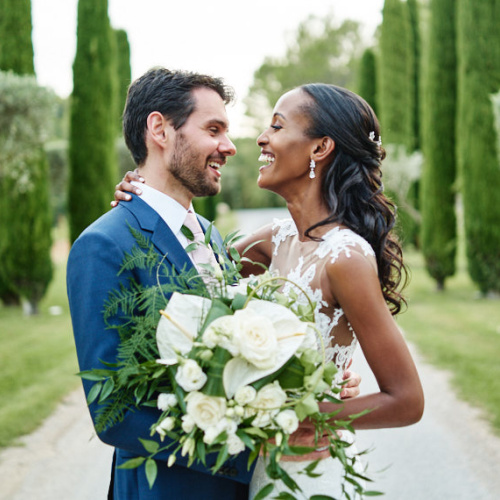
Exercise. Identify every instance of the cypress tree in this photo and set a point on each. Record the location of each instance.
(25, 211)
(16, 55)
(124, 71)
(478, 39)
(393, 94)
(16, 47)
(367, 78)
(413, 141)
(437, 202)
(93, 117)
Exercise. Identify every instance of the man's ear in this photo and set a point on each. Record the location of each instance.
(157, 127)
(323, 149)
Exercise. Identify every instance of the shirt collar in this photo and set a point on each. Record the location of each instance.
(171, 211)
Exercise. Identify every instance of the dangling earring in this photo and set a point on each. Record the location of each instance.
(312, 166)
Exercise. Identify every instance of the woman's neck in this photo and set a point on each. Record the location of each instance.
(306, 211)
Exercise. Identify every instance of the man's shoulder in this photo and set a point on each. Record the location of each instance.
(113, 229)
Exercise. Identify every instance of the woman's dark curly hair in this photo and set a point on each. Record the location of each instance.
(352, 183)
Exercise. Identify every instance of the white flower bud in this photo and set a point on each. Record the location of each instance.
(171, 460)
(166, 401)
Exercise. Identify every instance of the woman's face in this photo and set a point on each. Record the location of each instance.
(286, 150)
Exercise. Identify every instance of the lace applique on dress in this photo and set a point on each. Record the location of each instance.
(286, 228)
(339, 241)
(307, 259)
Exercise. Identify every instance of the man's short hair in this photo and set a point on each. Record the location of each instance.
(169, 93)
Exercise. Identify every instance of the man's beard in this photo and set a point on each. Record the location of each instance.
(189, 168)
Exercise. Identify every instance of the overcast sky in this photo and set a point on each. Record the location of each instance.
(227, 38)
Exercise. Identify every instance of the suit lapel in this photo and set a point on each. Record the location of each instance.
(162, 236)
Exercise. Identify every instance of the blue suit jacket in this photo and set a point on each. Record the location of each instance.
(93, 264)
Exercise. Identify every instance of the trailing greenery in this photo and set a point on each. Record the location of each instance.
(93, 117)
(437, 187)
(367, 78)
(25, 212)
(16, 47)
(478, 39)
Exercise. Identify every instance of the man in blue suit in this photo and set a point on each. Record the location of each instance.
(175, 125)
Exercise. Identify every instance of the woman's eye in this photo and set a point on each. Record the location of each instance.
(276, 127)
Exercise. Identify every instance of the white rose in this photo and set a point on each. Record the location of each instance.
(270, 397)
(256, 338)
(220, 332)
(210, 435)
(234, 444)
(287, 421)
(245, 395)
(188, 423)
(263, 418)
(166, 401)
(190, 376)
(228, 425)
(206, 411)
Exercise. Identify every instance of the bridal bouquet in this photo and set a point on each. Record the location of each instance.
(232, 364)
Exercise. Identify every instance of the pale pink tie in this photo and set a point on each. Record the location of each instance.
(201, 254)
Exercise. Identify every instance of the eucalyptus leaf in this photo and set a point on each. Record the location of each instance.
(149, 445)
(94, 392)
(264, 492)
(187, 233)
(107, 389)
(151, 471)
(133, 463)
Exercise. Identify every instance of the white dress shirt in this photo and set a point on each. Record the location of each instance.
(171, 211)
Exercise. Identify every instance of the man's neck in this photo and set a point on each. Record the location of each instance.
(164, 183)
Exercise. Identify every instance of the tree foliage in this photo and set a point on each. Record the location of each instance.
(16, 47)
(16, 54)
(397, 92)
(124, 72)
(322, 50)
(478, 39)
(25, 213)
(93, 117)
(414, 50)
(437, 188)
(367, 78)
(393, 81)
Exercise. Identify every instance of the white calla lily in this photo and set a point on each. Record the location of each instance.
(179, 325)
(290, 332)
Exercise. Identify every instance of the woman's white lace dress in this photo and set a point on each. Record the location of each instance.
(303, 262)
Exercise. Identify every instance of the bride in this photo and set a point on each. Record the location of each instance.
(322, 153)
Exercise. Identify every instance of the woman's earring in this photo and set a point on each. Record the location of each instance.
(312, 166)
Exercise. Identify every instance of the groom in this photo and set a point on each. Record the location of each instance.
(175, 125)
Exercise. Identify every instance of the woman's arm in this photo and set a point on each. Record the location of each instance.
(355, 286)
(258, 246)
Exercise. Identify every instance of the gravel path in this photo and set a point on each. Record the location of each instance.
(450, 455)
